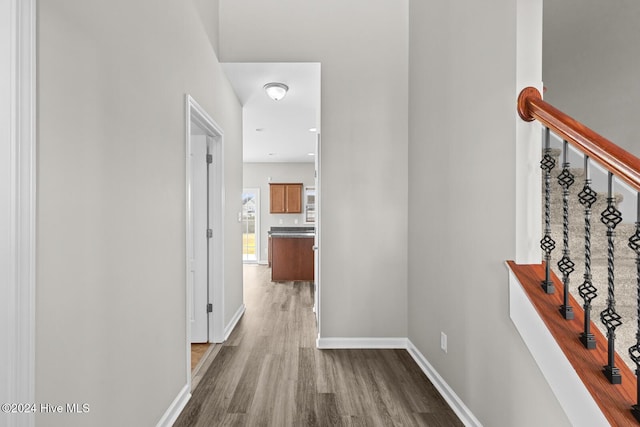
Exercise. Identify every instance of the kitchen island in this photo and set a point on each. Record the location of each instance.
(291, 256)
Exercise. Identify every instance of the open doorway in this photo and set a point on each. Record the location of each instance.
(204, 234)
(280, 145)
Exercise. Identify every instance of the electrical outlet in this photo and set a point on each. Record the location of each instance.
(443, 341)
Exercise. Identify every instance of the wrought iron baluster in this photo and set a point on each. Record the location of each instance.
(611, 217)
(547, 244)
(634, 351)
(587, 291)
(566, 266)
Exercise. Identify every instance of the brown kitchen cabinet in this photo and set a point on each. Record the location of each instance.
(292, 258)
(285, 198)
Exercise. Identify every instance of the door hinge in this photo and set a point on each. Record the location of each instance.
(209, 233)
(209, 308)
(209, 158)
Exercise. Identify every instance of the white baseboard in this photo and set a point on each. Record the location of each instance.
(361, 343)
(456, 404)
(234, 321)
(176, 407)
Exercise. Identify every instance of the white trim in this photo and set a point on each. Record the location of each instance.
(317, 260)
(234, 321)
(573, 396)
(17, 201)
(194, 112)
(217, 207)
(173, 412)
(456, 404)
(528, 192)
(361, 343)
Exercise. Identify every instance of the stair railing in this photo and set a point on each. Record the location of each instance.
(619, 163)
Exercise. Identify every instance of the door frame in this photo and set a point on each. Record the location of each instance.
(18, 204)
(316, 244)
(215, 137)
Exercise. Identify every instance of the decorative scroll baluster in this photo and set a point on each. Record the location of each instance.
(547, 244)
(587, 291)
(566, 180)
(634, 351)
(611, 217)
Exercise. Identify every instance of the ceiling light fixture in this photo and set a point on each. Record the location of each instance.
(276, 91)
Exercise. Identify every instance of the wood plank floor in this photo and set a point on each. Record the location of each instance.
(269, 373)
(197, 351)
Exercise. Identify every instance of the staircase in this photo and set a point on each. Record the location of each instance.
(625, 272)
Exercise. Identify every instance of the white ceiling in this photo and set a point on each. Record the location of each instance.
(277, 131)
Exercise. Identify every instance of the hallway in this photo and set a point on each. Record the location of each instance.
(269, 372)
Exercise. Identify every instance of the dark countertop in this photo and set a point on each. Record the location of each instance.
(292, 232)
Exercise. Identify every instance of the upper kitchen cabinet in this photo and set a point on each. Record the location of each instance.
(285, 198)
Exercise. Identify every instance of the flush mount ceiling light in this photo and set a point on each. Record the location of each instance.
(276, 91)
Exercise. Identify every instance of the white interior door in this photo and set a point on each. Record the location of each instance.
(200, 241)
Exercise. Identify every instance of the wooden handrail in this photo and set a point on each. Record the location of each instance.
(616, 160)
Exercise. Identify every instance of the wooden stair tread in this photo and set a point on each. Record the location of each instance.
(615, 401)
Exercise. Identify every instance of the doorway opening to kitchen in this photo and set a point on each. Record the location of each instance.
(280, 139)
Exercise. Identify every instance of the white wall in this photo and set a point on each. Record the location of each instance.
(256, 175)
(462, 174)
(111, 203)
(208, 11)
(590, 65)
(362, 47)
